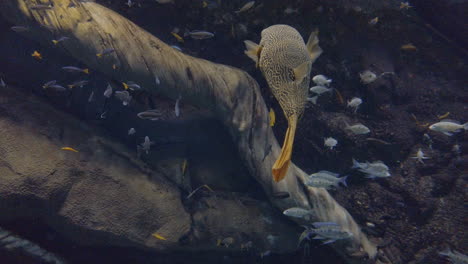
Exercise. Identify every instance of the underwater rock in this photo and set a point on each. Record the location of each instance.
(102, 195)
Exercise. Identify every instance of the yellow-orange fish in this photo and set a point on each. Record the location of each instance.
(409, 47)
(272, 117)
(184, 166)
(179, 38)
(405, 5)
(125, 86)
(70, 149)
(158, 236)
(37, 55)
(444, 115)
(374, 21)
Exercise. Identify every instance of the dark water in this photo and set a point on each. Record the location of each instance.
(413, 215)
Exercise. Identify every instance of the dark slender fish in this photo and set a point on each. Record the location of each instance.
(41, 7)
(281, 195)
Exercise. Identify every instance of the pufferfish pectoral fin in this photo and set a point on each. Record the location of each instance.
(253, 51)
(313, 46)
(301, 71)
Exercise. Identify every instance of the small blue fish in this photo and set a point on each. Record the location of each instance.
(176, 47)
(329, 231)
(78, 84)
(75, 69)
(200, 34)
(57, 41)
(105, 52)
(108, 91)
(19, 28)
(48, 84)
(123, 96)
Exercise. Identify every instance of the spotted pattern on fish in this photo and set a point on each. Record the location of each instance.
(283, 49)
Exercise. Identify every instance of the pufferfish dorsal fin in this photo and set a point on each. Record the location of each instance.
(301, 71)
(253, 51)
(313, 46)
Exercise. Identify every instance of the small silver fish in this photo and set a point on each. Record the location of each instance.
(367, 76)
(358, 129)
(57, 41)
(328, 231)
(297, 212)
(199, 34)
(420, 156)
(245, 7)
(325, 179)
(355, 102)
(49, 83)
(19, 28)
(265, 253)
(325, 182)
(75, 69)
(2, 83)
(146, 144)
(176, 47)
(176, 108)
(131, 131)
(330, 142)
(454, 256)
(272, 239)
(78, 84)
(41, 7)
(108, 91)
(374, 21)
(226, 242)
(448, 127)
(57, 87)
(130, 3)
(105, 52)
(313, 99)
(123, 96)
(153, 114)
(91, 97)
(247, 246)
(456, 149)
(321, 80)
(104, 115)
(131, 85)
(319, 89)
(290, 10)
(376, 169)
(156, 80)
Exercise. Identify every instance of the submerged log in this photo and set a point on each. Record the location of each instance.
(231, 94)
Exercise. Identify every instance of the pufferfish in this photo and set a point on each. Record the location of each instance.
(285, 61)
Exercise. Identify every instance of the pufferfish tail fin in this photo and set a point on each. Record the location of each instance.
(253, 51)
(280, 168)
